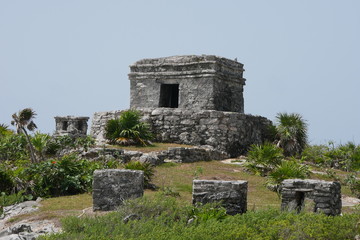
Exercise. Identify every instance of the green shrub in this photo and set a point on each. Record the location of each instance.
(354, 184)
(206, 212)
(40, 142)
(263, 158)
(291, 134)
(128, 129)
(65, 176)
(288, 169)
(147, 168)
(13, 147)
(344, 156)
(6, 182)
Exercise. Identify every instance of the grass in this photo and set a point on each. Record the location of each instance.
(179, 177)
(155, 147)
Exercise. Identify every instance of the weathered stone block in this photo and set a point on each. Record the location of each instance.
(231, 194)
(326, 195)
(112, 186)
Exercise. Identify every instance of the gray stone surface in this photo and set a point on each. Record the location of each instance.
(112, 186)
(25, 229)
(231, 194)
(71, 126)
(229, 132)
(191, 82)
(325, 195)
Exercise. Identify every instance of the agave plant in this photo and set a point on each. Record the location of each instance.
(291, 133)
(127, 129)
(24, 120)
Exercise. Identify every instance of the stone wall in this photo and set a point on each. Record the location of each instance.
(326, 196)
(189, 82)
(71, 126)
(173, 154)
(231, 194)
(112, 186)
(230, 132)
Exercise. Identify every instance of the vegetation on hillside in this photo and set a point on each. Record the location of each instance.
(165, 218)
(45, 170)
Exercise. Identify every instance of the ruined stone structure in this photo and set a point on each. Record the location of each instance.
(231, 194)
(196, 100)
(112, 186)
(71, 126)
(225, 131)
(326, 196)
(191, 82)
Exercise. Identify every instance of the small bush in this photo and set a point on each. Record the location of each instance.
(6, 182)
(147, 168)
(345, 156)
(128, 129)
(354, 184)
(263, 158)
(61, 177)
(288, 169)
(13, 147)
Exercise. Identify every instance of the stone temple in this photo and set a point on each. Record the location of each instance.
(196, 100)
(188, 82)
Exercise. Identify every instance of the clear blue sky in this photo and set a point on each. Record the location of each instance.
(71, 57)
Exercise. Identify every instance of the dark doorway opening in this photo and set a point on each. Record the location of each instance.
(64, 125)
(79, 125)
(169, 95)
(299, 197)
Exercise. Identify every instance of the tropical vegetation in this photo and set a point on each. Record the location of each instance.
(128, 129)
(291, 133)
(166, 218)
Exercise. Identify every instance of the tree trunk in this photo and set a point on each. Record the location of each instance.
(31, 148)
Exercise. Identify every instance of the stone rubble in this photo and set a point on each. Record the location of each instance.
(24, 230)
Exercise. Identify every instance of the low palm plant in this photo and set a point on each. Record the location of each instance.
(128, 129)
(147, 168)
(291, 133)
(288, 169)
(263, 158)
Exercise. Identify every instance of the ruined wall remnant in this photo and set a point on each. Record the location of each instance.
(190, 82)
(230, 132)
(231, 194)
(112, 186)
(71, 126)
(326, 196)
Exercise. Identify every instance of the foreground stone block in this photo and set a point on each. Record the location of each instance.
(112, 186)
(325, 196)
(232, 194)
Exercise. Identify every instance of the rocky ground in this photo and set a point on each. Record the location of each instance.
(26, 229)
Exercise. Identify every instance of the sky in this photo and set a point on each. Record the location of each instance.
(72, 57)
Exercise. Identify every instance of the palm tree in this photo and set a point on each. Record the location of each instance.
(4, 130)
(24, 120)
(291, 133)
